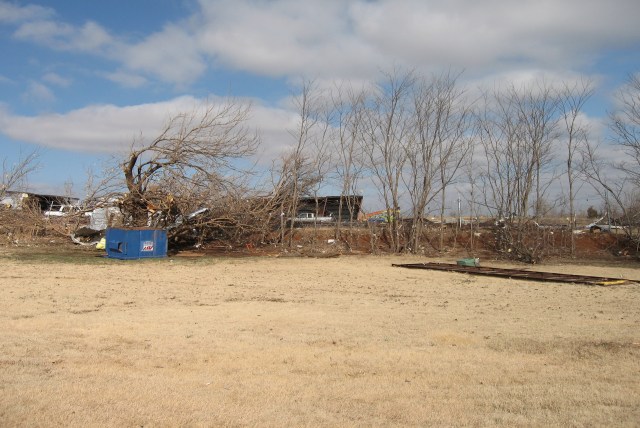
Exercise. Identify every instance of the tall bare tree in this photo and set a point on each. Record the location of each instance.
(453, 141)
(349, 107)
(437, 147)
(385, 133)
(538, 111)
(501, 139)
(572, 101)
(518, 128)
(301, 162)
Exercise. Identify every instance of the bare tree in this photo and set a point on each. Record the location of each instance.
(292, 175)
(26, 223)
(299, 165)
(437, 147)
(420, 151)
(501, 140)
(322, 155)
(15, 175)
(453, 139)
(618, 182)
(538, 111)
(601, 175)
(349, 108)
(385, 133)
(517, 131)
(624, 121)
(572, 101)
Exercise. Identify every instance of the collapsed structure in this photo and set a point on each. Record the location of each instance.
(53, 205)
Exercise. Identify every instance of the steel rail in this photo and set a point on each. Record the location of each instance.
(518, 274)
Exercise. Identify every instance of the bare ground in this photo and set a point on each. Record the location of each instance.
(347, 341)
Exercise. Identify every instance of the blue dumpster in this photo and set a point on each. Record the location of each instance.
(129, 244)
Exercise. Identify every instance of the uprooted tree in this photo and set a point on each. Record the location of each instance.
(195, 163)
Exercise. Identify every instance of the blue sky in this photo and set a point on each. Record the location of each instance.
(80, 79)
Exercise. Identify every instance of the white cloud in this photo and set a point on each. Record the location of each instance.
(469, 34)
(171, 54)
(45, 32)
(112, 129)
(127, 79)
(355, 38)
(91, 37)
(96, 128)
(10, 12)
(527, 79)
(56, 79)
(38, 93)
(343, 39)
(273, 125)
(285, 38)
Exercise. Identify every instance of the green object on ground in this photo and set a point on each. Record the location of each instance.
(469, 262)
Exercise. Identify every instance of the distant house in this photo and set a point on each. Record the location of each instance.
(342, 208)
(20, 200)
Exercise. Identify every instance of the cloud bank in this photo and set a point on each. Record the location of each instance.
(344, 39)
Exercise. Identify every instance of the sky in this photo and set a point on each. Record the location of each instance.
(79, 80)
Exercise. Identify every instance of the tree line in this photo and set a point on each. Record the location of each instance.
(417, 138)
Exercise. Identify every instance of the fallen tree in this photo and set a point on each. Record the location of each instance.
(192, 180)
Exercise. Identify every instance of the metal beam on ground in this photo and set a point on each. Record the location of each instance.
(518, 274)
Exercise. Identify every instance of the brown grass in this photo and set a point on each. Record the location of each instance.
(350, 341)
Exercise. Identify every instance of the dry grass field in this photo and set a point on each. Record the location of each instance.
(348, 341)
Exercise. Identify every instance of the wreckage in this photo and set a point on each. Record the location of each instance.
(104, 217)
(99, 220)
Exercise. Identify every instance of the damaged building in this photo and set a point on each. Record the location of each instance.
(47, 204)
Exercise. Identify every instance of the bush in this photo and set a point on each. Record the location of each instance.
(592, 213)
